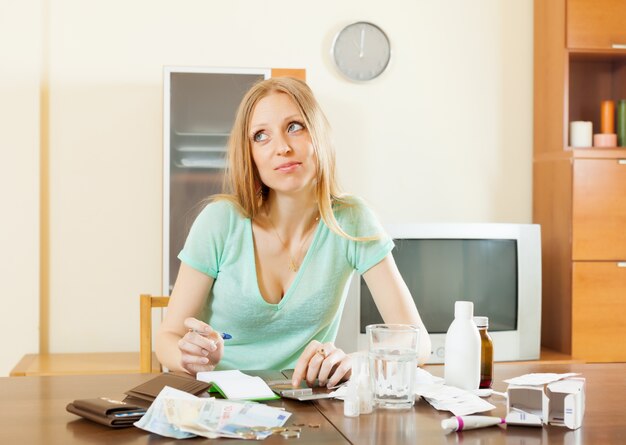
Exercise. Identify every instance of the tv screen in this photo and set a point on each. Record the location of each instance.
(439, 272)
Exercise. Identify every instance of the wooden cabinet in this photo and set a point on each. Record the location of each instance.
(598, 307)
(599, 210)
(597, 24)
(579, 195)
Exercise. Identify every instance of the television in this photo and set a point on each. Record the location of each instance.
(496, 266)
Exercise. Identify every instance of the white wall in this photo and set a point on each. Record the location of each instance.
(20, 53)
(443, 135)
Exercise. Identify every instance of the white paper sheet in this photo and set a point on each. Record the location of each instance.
(541, 378)
(236, 385)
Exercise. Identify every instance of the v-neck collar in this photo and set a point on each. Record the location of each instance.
(299, 273)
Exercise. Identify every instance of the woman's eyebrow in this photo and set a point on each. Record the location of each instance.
(292, 117)
(254, 128)
(257, 126)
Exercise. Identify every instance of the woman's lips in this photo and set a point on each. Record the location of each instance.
(288, 167)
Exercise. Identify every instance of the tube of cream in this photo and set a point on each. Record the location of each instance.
(460, 423)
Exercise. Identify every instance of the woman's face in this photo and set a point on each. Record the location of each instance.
(281, 145)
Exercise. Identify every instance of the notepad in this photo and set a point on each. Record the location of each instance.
(236, 385)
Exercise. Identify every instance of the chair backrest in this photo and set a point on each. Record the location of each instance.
(146, 303)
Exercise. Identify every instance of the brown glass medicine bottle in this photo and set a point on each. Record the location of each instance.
(486, 352)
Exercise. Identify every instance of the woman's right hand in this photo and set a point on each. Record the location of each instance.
(201, 347)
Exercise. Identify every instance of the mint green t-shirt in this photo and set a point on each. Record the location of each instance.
(272, 336)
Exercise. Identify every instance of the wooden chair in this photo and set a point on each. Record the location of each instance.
(146, 303)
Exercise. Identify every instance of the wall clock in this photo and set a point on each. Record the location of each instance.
(361, 51)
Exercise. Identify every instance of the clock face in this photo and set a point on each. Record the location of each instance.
(361, 51)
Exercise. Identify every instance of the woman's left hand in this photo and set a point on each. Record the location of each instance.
(324, 362)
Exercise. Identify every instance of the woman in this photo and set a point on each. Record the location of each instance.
(270, 263)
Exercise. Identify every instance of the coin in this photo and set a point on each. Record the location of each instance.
(278, 429)
(290, 434)
(261, 429)
(296, 429)
(298, 424)
(314, 425)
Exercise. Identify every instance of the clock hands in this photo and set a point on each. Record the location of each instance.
(362, 42)
(361, 45)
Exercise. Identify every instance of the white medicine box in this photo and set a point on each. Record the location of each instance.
(567, 402)
(560, 403)
(526, 405)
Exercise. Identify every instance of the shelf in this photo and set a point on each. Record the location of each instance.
(599, 152)
(188, 149)
(199, 150)
(201, 134)
(597, 55)
(594, 76)
(199, 142)
(201, 163)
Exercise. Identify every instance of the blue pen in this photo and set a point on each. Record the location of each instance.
(224, 335)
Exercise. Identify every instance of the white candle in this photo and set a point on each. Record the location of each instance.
(580, 134)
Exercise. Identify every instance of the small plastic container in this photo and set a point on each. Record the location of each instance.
(360, 396)
(361, 372)
(351, 400)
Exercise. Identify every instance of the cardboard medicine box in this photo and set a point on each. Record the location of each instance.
(559, 403)
(567, 402)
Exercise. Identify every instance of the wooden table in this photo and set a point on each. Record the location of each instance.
(33, 412)
(604, 421)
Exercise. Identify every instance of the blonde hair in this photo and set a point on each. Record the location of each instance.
(242, 181)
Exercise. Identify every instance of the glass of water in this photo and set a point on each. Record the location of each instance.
(393, 360)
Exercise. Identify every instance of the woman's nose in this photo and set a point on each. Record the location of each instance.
(283, 146)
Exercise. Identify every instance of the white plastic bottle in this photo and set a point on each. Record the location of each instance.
(361, 372)
(462, 354)
(351, 403)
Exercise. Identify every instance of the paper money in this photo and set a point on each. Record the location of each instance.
(155, 420)
(181, 415)
(257, 414)
(205, 417)
(246, 420)
(184, 414)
